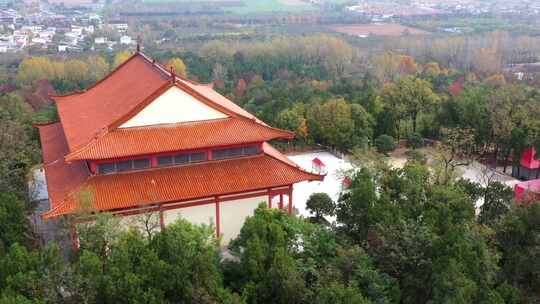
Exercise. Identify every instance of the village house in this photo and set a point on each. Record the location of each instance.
(144, 140)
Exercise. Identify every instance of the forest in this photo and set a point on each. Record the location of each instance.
(409, 235)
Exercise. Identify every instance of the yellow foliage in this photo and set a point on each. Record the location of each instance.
(496, 80)
(432, 69)
(119, 58)
(34, 69)
(76, 70)
(98, 67)
(303, 130)
(178, 65)
(256, 81)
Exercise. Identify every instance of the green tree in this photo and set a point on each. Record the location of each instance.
(498, 199)
(333, 123)
(354, 210)
(18, 148)
(385, 144)
(35, 275)
(410, 96)
(14, 226)
(422, 234)
(321, 205)
(415, 141)
(517, 235)
(456, 150)
(267, 271)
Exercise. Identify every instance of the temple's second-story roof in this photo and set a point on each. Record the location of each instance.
(84, 115)
(126, 142)
(119, 99)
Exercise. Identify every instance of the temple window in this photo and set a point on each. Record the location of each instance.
(122, 166)
(179, 159)
(235, 152)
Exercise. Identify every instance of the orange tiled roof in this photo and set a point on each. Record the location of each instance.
(174, 184)
(208, 92)
(61, 176)
(174, 137)
(124, 92)
(85, 114)
(87, 129)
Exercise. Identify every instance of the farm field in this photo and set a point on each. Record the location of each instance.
(268, 6)
(254, 6)
(71, 2)
(378, 29)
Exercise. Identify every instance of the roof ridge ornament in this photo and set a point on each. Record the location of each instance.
(173, 75)
(138, 44)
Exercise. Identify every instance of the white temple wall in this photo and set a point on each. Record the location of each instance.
(173, 106)
(234, 214)
(205, 214)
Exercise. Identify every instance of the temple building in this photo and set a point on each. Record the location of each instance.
(529, 166)
(146, 140)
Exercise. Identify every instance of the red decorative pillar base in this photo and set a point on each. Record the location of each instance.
(161, 219)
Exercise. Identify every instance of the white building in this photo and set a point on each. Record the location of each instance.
(125, 40)
(120, 27)
(99, 40)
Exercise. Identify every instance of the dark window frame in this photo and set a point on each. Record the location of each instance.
(159, 161)
(126, 165)
(234, 152)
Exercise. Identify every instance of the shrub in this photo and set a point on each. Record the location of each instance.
(385, 143)
(415, 141)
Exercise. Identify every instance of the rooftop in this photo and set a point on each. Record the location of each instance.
(182, 183)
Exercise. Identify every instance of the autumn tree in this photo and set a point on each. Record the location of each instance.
(33, 69)
(333, 123)
(456, 150)
(120, 57)
(178, 66)
(507, 109)
(77, 72)
(241, 87)
(98, 68)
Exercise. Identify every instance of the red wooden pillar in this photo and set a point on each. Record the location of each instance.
(290, 200)
(218, 217)
(161, 219)
(74, 238)
(281, 201)
(269, 199)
